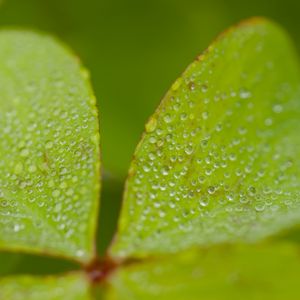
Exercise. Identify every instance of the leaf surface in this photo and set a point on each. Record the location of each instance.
(13, 264)
(68, 287)
(49, 148)
(222, 272)
(218, 161)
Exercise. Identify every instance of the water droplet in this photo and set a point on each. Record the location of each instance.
(203, 202)
(58, 207)
(251, 191)
(32, 169)
(55, 193)
(204, 88)
(167, 118)
(146, 168)
(219, 127)
(188, 150)
(18, 168)
(24, 152)
(70, 192)
(201, 179)
(152, 156)
(17, 228)
(205, 115)
(242, 130)
(211, 190)
(232, 156)
(79, 253)
(259, 207)
(165, 170)
(277, 108)
(192, 86)
(268, 122)
(183, 116)
(245, 94)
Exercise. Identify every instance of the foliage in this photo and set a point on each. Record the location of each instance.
(212, 194)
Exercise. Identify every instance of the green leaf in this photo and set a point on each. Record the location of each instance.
(49, 147)
(68, 287)
(32, 264)
(242, 272)
(219, 159)
(9, 263)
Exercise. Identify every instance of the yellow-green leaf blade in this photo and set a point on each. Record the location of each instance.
(49, 148)
(68, 287)
(219, 158)
(254, 272)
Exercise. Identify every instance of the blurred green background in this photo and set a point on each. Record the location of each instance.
(134, 50)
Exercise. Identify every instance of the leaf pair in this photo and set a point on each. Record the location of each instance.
(217, 165)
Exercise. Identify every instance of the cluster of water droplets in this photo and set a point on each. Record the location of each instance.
(216, 162)
(49, 152)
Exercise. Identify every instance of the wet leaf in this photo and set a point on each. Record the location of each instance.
(219, 158)
(253, 272)
(49, 179)
(68, 287)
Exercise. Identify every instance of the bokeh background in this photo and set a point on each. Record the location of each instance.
(134, 50)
